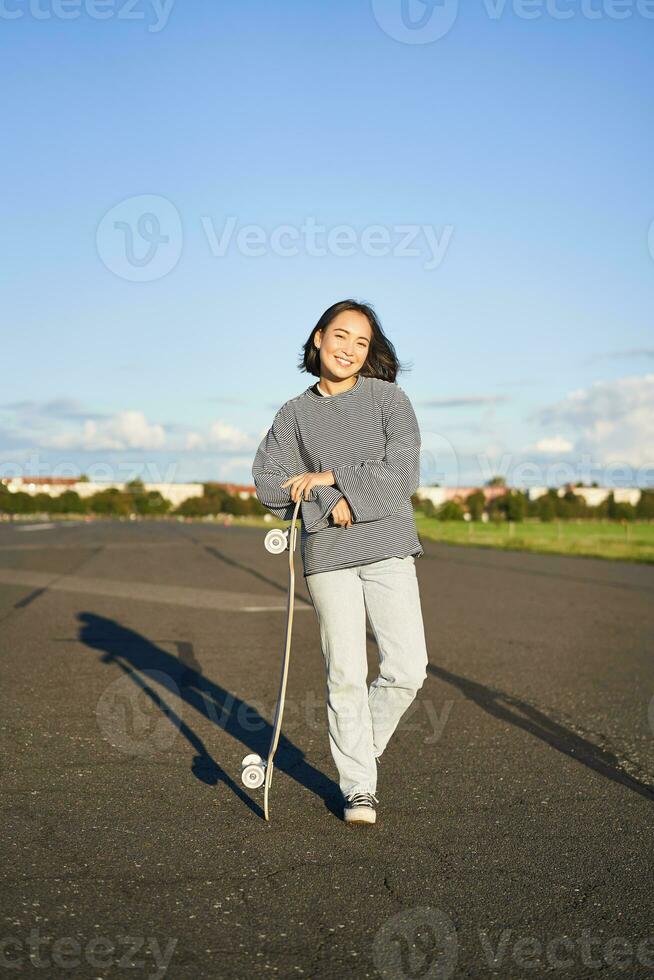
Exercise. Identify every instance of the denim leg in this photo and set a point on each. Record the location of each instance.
(339, 603)
(392, 599)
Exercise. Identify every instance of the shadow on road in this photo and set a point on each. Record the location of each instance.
(144, 662)
(521, 714)
(227, 560)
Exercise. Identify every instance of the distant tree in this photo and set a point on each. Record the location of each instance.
(511, 506)
(571, 506)
(496, 481)
(233, 504)
(424, 505)
(546, 507)
(620, 511)
(450, 510)
(626, 511)
(7, 504)
(218, 496)
(153, 503)
(41, 503)
(601, 510)
(515, 505)
(195, 507)
(256, 507)
(645, 506)
(110, 501)
(476, 503)
(70, 502)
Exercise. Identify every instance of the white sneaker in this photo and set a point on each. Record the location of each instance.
(360, 808)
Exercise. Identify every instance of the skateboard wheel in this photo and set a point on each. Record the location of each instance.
(276, 541)
(252, 776)
(253, 771)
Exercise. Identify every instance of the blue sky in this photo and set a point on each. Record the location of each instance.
(517, 151)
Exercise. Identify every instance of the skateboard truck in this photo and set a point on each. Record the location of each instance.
(256, 771)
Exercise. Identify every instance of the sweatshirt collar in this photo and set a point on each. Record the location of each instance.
(341, 394)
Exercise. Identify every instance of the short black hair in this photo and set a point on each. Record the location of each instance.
(381, 362)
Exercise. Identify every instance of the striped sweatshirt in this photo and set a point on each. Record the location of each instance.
(369, 437)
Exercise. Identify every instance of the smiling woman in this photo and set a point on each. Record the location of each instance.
(349, 448)
(347, 340)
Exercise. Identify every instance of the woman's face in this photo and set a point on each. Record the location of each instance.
(344, 345)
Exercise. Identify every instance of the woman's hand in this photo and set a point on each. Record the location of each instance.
(305, 482)
(341, 514)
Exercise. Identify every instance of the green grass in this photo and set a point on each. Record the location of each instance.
(629, 541)
(633, 541)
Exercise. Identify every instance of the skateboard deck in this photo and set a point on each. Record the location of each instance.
(252, 765)
(279, 710)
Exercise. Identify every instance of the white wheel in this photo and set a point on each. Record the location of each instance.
(251, 759)
(276, 541)
(252, 776)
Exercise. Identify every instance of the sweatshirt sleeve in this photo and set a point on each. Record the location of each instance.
(277, 459)
(376, 489)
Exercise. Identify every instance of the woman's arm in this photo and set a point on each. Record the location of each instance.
(376, 489)
(276, 460)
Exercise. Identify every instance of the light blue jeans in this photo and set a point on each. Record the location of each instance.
(361, 720)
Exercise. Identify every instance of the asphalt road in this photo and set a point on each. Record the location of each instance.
(140, 664)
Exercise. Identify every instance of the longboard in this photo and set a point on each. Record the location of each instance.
(254, 769)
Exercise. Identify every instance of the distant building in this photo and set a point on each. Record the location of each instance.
(439, 495)
(592, 495)
(237, 489)
(176, 493)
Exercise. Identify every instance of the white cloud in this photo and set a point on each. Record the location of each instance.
(221, 436)
(236, 465)
(611, 420)
(125, 430)
(65, 424)
(194, 440)
(224, 436)
(554, 444)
